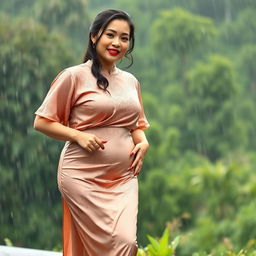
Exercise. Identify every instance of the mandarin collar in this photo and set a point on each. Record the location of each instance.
(113, 72)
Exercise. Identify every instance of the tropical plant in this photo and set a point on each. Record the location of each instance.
(160, 247)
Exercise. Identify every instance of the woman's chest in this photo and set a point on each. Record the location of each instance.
(121, 98)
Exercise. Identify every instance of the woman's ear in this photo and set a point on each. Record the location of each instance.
(93, 38)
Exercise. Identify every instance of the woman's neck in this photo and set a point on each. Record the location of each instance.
(107, 68)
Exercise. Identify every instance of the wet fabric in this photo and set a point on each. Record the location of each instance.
(99, 193)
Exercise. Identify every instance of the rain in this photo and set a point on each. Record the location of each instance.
(195, 62)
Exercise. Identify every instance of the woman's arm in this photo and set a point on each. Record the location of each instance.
(140, 149)
(58, 131)
(138, 136)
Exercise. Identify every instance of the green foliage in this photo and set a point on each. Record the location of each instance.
(8, 242)
(27, 160)
(211, 199)
(195, 62)
(163, 247)
(243, 25)
(66, 17)
(160, 247)
(213, 125)
(182, 30)
(247, 63)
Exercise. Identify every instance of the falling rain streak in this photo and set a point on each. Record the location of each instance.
(196, 63)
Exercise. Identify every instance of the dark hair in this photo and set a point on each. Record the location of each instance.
(100, 24)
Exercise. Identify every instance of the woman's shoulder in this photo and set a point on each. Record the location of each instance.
(78, 69)
(128, 75)
(77, 73)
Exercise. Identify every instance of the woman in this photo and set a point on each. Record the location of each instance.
(97, 109)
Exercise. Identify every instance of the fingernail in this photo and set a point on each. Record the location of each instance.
(132, 154)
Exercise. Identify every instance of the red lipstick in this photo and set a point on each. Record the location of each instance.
(113, 52)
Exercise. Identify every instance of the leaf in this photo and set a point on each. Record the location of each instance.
(141, 252)
(8, 242)
(165, 238)
(175, 242)
(154, 242)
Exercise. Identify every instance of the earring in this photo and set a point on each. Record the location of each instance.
(93, 45)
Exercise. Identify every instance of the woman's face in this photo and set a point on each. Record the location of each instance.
(113, 43)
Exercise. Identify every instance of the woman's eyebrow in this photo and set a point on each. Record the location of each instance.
(112, 30)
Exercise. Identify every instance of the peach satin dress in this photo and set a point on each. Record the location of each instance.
(99, 193)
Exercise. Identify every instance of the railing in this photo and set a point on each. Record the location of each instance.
(18, 251)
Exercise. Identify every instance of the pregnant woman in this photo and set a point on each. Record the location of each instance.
(97, 109)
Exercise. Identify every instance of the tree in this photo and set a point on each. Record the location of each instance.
(28, 161)
(213, 128)
(242, 30)
(67, 17)
(248, 65)
(180, 32)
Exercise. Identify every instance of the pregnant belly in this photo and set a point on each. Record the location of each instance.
(106, 165)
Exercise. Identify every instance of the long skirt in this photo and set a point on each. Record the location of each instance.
(99, 196)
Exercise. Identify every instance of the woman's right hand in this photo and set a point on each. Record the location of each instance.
(56, 130)
(89, 142)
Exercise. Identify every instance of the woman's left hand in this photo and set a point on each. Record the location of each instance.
(138, 152)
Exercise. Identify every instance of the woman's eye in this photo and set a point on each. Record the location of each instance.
(125, 39)
(109, 34)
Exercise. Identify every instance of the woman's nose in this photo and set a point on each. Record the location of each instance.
(116, 42)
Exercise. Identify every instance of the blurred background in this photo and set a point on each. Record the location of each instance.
(196, 62)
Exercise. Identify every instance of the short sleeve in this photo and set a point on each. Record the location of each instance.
(142, 123)
(59, 99)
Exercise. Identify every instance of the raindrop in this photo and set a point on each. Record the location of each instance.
(4, 68)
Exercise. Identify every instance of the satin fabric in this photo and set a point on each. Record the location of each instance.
(99, 192)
